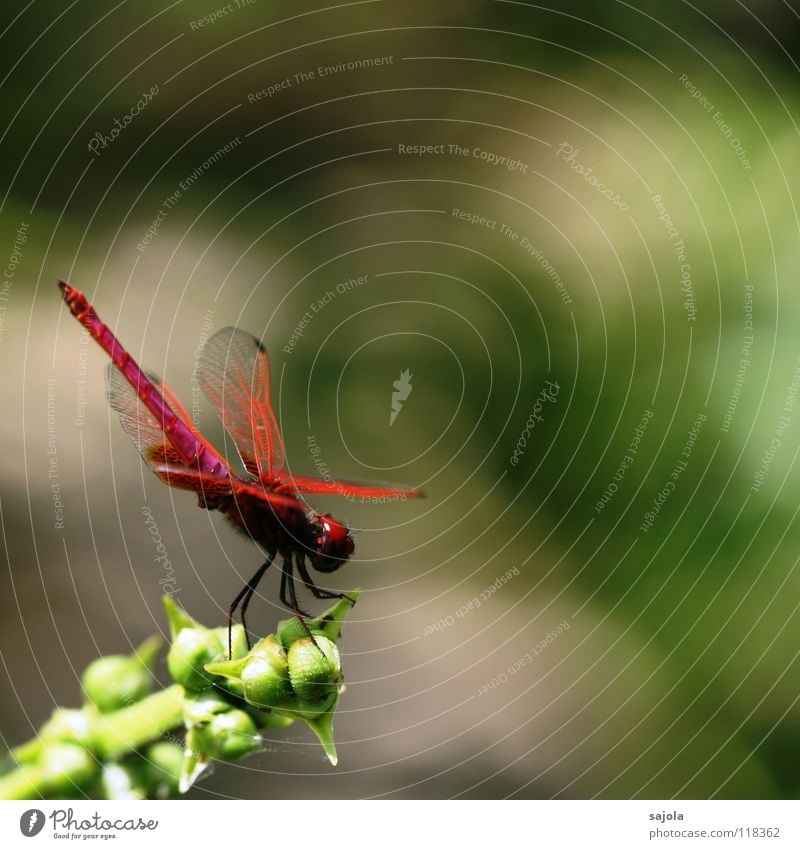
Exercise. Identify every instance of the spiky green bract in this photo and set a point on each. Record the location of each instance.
(329, 624)
(294, 675)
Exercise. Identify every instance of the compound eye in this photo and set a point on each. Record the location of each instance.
(334, 543)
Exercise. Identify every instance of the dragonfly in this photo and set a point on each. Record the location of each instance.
(264, 503)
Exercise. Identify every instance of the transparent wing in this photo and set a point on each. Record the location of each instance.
(234, 376)
(181, 477)
(209, 486)
(302, 484)
(138, 422)
(141, 425)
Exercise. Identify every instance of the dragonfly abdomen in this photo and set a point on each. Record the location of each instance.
(192, 450)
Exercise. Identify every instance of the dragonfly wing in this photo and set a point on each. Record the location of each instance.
(234, 376)
(141, 425)
(301, 484)
(205, 485)
(210, 487)
(138, 422)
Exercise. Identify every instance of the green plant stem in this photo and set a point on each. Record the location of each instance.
(119, 733)
(110, 736)
(26, 782)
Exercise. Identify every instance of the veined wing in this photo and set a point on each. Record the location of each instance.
(302, 484)
(142, 426)
(234, 376)
(181, 477)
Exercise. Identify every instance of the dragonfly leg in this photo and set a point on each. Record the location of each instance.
(288, 591)
(289, 597)
(251, 588)
(312, 587)
(243, 599)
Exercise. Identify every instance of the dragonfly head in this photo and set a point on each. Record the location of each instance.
(332, 543)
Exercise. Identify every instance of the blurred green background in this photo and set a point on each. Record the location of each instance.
(636, 170)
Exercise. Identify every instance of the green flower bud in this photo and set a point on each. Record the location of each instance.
(232, 735)
(203, 706)
(122, 781)
(239, 647)
(115, 682)
(66, 768)
(265, 677)
(329, 624)
(288, 677)
(153, 774)
(266, 686)
(261, 678)
(190, 651)
(315, 670)
(118, 681)
(268, 718)
(291, 630)
(227, 735)
(70, 726)
(162, 763)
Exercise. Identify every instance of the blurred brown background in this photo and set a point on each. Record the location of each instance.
(635, 167)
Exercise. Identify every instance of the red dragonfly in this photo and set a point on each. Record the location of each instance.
(264, 505)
